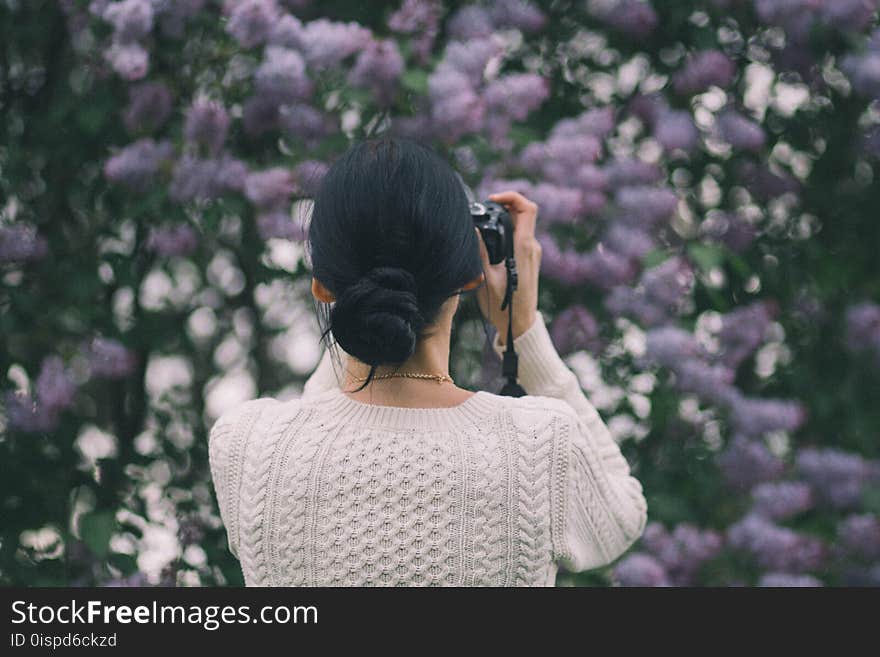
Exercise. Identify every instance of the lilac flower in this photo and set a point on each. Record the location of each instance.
(630, 172)
(55, 386)
(638, 569)
(559, 156)
(135, 165)
(850, 15)
(740, 132)
(628, 241)
(731, 230)
(260, 114)
(131, 19)
(515, 95)
(668, 345)
(765, 184)
(135, 580)
(517, 13)
(601, 267)
(326, 43)
(666, 285)
(742, 331)
(251, 21)
(774, 547)
(863, 327)
(378, 67)
(470, 22)
(109, 359)
(130, 60)
(859, 536)
(20, 241)
(24, 413)
(173, 14)
(306, 122)
(420, 18)
(270, 189)
(279, 224)
(710, 382)
(624, 301)
(575, 328)
(207, 123)
(591, 178)
(647, 107)
(282, 76)
(635, 18)
(683, 552)
(787, 580)
(456, 108)
(754, 417)
(705, 69)
(646, 206)
(308, 175)
(675, 130)
(287, 33)
(794, 16)
(204, 179)
(149, 106)
(746, 462)
(170, 241)
(778, 501)
(471, 57)
(598, 122)
(837, 477)
(557, 204)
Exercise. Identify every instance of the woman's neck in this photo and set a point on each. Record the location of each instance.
(430, 357)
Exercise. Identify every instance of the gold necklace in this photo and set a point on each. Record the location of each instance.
(439, 378)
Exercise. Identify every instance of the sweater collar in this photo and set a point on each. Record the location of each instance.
(336, 404)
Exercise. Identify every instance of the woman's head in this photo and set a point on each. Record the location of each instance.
(391, 238)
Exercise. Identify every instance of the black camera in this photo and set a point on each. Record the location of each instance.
(496, 227)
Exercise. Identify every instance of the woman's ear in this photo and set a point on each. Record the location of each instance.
(474, 283)
(320, 292)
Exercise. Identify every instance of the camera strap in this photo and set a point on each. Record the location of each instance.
(510, 362)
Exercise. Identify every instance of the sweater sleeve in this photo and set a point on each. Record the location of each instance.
(227, 441)
(327, 374)
(603, 509)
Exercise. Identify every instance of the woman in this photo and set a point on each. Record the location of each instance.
(385, 472)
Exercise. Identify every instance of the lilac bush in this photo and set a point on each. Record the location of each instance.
(704, 172)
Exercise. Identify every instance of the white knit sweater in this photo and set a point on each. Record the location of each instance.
(500, 491)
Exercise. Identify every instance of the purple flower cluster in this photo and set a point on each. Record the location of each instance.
(838, 478)
(659, 296)
(863, 328)
(776, 548)
(177, 240)
(207, 123)
(378, 67)
(270, 189)
(109, 358)
(20, 241)
(132, 21)
(742, 331)
(251, 21)
(682, 552)
(149, 106)
(636, 18)
(705, 69)
(739, 131)
(575, 328)
(781, 500)
(746, 462)
(136, 165)
(195, 179)
(859, 536)
(53, 392)
(420, 18)
(641, 570)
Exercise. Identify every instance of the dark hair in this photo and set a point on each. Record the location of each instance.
(392, 238)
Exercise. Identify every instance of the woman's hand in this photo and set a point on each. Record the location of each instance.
(527, 251)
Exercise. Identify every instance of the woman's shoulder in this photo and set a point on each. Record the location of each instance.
(240, 417)
(534, 408)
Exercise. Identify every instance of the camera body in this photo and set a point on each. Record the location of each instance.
(496, 227)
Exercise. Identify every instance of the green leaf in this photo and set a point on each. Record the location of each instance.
(415, 80)
(706, 256)
(95, 529)
(125, 562)
(655, 257)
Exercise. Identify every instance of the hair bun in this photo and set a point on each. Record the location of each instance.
(378, 319)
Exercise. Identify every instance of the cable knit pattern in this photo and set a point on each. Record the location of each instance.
(497, 491)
